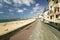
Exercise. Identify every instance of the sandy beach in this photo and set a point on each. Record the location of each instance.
(7, 27)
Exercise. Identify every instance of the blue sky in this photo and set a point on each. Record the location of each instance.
(21, 8)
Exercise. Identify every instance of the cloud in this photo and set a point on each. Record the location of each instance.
(20, 11)
(18, 3)
(7, 1)
(24, 8)
(37, 4)
(10, 10)
(1, 5)
(26, 2)
(0, 0)
(12, 13)
(1, 12)
(37, 9)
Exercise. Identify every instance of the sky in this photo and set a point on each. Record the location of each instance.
(21, 8)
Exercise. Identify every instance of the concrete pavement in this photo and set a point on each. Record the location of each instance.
(37, 31)
(24, 33)
(44, 32)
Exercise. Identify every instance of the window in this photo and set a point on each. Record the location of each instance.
(50, 17)
(50, 11)
(56, 16)
(52, 0)
(56, 1)
(55, 10)
(58, 9)
(47, 17)
(50, 6)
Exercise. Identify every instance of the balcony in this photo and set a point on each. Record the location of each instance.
(51, 14)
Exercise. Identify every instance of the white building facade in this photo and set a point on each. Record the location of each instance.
(54, 10)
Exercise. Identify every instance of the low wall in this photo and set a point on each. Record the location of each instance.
(55, 25)
(8, 35)
(11, 26)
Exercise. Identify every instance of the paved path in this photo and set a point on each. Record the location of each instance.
(44, 32)
(25, 33)
(37, 31)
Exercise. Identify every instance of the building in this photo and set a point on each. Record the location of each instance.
(41, 16)
(45, 14)
(54, 10)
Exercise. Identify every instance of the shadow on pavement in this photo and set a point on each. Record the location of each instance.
(8, 35)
